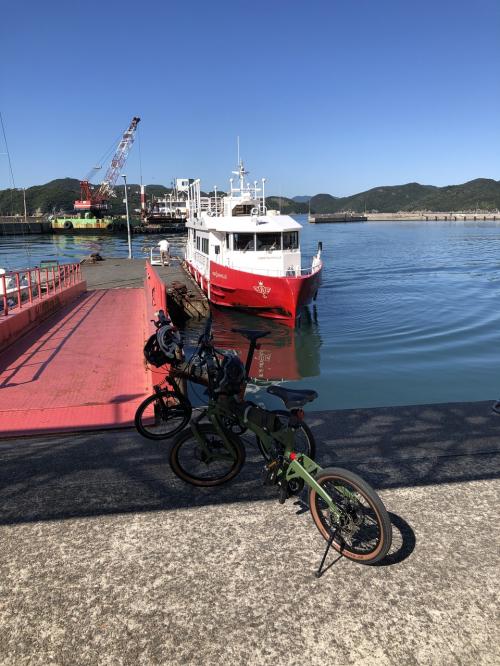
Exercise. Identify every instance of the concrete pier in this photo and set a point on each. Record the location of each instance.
(108, 558)
(10, 226)
(430, 216)
(183, 294)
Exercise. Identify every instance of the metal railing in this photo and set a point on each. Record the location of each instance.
(24, 287)
(278, 272)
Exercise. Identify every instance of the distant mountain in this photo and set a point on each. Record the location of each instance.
(481, 193)
(286, 206)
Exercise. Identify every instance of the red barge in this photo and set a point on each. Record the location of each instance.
(248, 257)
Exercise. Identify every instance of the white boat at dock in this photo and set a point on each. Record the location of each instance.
(248, 257)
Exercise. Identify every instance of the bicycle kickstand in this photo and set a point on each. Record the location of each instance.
(319, 572)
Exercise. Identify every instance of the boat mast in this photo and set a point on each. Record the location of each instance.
(241, 173)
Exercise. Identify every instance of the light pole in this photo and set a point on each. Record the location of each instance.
(128, 218)
(24, 197)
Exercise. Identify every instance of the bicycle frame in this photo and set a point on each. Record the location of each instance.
(297, 466)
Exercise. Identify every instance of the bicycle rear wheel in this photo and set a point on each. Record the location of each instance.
(304, 441)
(191, 463)
(162, 415)
(363, 532)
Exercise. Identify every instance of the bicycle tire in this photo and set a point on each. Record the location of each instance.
(179, 457)
(159, 407)
(308, 446)
(334, 477)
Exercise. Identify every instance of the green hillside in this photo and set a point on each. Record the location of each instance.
(286, 206)
(482, 193)
(59, 195)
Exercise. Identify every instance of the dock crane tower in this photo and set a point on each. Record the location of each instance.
(95, 201)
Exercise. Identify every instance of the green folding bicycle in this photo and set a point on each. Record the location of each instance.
(346, 510)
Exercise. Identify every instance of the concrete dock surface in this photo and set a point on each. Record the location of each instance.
(107, 558)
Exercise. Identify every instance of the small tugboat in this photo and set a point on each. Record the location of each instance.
(245, 256)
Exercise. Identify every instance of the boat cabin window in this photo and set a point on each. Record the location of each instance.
(243, 242)
(204, 245)
(291, 240)
(242, 209)
(228, 241)
(269, 241)
(197, 242)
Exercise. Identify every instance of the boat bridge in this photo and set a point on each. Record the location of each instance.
(71, 340)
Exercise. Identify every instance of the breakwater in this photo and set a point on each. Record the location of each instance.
(10, 226)
(434, 216)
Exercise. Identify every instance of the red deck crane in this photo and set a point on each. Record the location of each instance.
(96, 201)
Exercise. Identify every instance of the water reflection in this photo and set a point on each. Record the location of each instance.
(285, 354)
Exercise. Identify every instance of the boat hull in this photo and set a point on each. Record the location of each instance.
(280, 298)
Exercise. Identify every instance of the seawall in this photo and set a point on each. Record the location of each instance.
(10, 226)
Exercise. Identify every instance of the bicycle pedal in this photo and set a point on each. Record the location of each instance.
(303, 507)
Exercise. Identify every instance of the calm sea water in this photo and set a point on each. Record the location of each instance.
(408, 312)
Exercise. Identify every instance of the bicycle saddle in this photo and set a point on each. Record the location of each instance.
(250, 334)
(291, 397)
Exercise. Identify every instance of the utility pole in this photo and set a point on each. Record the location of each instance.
(128, 218)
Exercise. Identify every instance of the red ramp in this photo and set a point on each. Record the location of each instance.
(81, 369)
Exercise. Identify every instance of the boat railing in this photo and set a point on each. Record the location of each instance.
(24, 287)
(194, 199)
(292, 271)
(215, 206)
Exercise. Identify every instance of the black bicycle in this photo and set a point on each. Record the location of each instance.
(168, 410)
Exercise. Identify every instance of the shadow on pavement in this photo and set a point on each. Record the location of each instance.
(109, 472)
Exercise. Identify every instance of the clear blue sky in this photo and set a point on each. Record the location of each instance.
(326, 96)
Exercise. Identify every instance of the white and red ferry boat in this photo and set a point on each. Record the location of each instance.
(245, 256)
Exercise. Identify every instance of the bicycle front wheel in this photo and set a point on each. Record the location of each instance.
(303, 442)
(362, 528)
(162, 415)
(210, 465)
